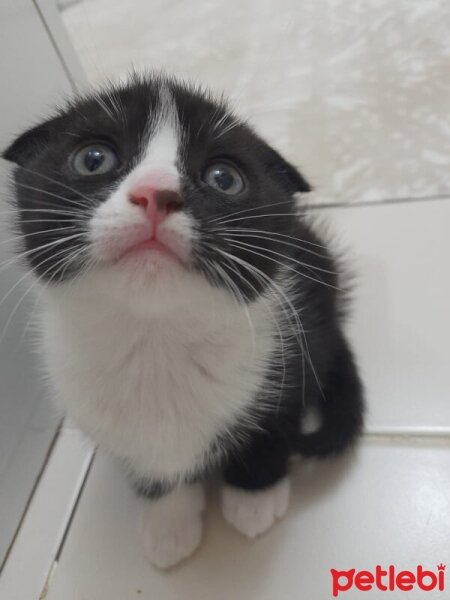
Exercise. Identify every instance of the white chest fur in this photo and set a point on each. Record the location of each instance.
(156, 391)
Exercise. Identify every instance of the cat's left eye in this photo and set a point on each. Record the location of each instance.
(94, 159)
(225, 178)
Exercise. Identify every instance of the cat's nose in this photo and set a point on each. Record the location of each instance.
(157, 203)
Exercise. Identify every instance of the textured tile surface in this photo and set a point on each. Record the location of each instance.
(399, 316)
(389, 505)
(356, 93)
(32, 77)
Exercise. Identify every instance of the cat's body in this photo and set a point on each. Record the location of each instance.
(191, 315)
(172, 384)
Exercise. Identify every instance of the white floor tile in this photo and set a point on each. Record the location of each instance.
(388, 505)
(42, 530)
(399, 318)
(355, 93)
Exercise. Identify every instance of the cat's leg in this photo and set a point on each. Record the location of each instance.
(340, 405)
(171, 522)
(256, 489)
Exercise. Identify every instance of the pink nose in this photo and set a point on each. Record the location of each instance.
(157, 203)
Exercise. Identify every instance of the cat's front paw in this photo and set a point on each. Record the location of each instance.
(169, 545)
(171, 527)
(254, 512)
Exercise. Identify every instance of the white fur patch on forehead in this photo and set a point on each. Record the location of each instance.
(164, 141)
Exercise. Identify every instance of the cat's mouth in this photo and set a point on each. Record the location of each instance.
(170, 244)
(152, 249)
(138, 243)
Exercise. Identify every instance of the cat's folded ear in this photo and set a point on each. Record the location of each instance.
(28, 145)
(285, 173)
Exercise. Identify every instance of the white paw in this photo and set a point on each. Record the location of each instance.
(171, 527)
(253, 513)
(166, 547)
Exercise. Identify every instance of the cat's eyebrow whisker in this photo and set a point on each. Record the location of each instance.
(71, 134)
(117, 105)
(227, 129)
(52, 194)
(105, 108)
(215, 126)
(248, 248)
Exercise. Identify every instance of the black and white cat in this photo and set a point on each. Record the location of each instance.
(190, 315)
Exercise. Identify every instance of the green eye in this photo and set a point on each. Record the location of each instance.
(224, 178)
(95, 159)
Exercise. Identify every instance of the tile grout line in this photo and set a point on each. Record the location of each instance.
(55, 46)
(32, 493)
(437, 436)
(75, 507)
(59, 550)
(376, 202)
(373, 434)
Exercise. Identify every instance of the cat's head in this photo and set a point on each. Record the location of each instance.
(152, 180)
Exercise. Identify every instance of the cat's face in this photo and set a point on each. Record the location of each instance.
(153, 180)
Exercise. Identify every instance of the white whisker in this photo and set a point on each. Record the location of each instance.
(105, 108)
(43, 210)
(274, 235)
(253, 208)
(302, 338)
(26, 253)
(60, 183)
(247, 248)
(274, 319)
(43, 232)
(239, 297)
(53, 195)
(35, 282)
(263, 216)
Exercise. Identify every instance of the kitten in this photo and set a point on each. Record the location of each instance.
(191, 315)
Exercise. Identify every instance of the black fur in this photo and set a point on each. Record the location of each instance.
(320, 369)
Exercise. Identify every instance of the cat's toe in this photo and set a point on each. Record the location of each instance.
(168, 545)
(254, 512)
(171, 527)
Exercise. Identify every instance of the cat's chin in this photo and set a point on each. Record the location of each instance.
(146, 272)
(149, 256)
(145, 283)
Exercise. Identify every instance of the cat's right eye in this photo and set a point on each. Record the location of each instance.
(94, 159)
